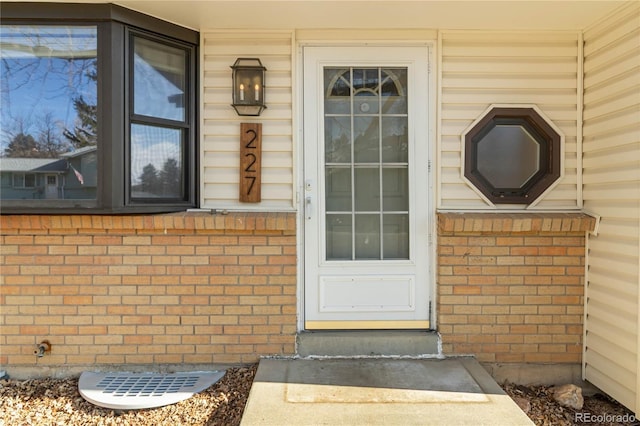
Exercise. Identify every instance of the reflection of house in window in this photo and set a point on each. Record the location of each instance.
(26, 178)
(81, 178)
(55, 71)
(73, 176)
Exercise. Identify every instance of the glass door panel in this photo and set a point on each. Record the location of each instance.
(396, 236)
(393, 87)
(339, 237)
(395, 140)
(367, 189)
(337, 130)
(395, 191)
(366, 163)
(366, 139)
(338, 189)
(367, 237)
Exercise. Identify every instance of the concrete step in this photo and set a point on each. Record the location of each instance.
(367, 343)
(455, 391)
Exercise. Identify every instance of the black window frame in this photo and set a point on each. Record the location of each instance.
(114, 26)
(549, 162)
(188, 125)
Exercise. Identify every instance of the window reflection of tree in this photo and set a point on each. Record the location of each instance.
(49, 76)
(163, 183)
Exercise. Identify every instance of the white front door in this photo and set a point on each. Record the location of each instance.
(51, 186)
(366, 187)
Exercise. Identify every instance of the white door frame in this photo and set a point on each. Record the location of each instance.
(430, 191)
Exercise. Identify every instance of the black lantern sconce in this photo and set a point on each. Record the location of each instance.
(248, 86)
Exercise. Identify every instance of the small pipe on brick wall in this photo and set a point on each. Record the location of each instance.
(42, 348)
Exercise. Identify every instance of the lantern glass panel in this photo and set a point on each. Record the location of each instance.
(249, 86)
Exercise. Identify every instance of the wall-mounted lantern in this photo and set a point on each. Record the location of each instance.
(248, 86)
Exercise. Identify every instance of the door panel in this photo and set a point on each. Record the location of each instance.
(366, 294)
(366, 180)
(51, 188)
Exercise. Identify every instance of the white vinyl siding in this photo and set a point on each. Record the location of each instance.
(483, 68)
(611, 161)
(220, 125)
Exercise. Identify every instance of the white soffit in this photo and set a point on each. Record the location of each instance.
(384, 14)
(389, 14)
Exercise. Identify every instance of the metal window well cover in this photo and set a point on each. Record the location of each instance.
(132, 391)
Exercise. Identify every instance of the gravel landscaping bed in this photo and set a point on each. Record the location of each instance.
(598, 409)
(44, 402)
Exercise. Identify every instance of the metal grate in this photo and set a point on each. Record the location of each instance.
(127, 391)
(143, 385)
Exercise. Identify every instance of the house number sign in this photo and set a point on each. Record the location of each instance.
(250, 162)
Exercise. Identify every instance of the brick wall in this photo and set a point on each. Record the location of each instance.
(510, 287)
(196, 288)
(188, 288)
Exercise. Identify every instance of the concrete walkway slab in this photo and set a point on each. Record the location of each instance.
(454, 391)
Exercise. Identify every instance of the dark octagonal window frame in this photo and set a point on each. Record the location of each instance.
(549, 162)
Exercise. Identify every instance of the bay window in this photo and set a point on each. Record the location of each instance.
(104, 96)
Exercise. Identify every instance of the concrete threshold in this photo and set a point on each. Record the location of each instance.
(367, 343)
(374, 391)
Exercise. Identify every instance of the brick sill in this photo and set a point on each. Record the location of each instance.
(514, 223)
(234, 221)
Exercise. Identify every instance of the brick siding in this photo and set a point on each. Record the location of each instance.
(189, 288)
(197, 288)
(511, 287)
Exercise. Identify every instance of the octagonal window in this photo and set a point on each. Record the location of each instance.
(512, 155)
(508, 156)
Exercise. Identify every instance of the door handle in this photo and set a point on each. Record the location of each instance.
(307, 207)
